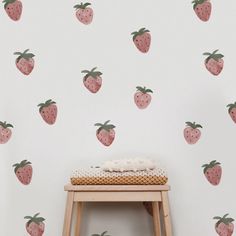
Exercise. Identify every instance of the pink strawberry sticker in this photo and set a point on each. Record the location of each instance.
(192, 133)
(13, 9)
(224, 225)
(213, 172)
(214, 62)
(84, 13)
(5, 132)
(92, 80)
(48, 111)
(23, 171)
(105, 133)
(142, 98)
(102, 234)
(142, 40)
(202, 9)
(232, 111)
(35, 225)
(25, 62)
(148, 207)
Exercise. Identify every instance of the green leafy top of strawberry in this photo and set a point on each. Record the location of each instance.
(92, 73)
(102, 234)
(144, 89)
(196, 2)
(6, 2)
(231, 106)
(24, 55)
(210, 165)
(5, 124)
(21, 164)
(140, 32)
(214, 55)
(193, 125)
(226, 220)
(105, 126)
(46, 104)
(82, 5)
(34, 219)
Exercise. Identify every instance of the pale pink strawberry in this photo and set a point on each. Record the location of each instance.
(35, 225)
(92, 80)
(202, 9)
(213, 172)
(232, 111)
(102, 234)
(191, 133)
(148, 207)
(224, 225)
(84, 13)
(141, 98)
(23, 171)
(25, 62)
(5, 132)
(13, 9)
(214, 62)
(48, 111)
(142, 40)
(105, 133)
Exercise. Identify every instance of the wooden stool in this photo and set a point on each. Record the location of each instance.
(157, 194)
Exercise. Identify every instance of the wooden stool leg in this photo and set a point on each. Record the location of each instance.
(78, 218)
(156, 218)
(166, 213)
(68, 214)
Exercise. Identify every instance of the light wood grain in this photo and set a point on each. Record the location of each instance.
(166, 213)
(117, 196)
(156, 218)
(68, 214)
(118, 188)
(157, 194)
(79, 206)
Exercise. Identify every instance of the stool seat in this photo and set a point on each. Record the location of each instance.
(156, 194)
(115, 188)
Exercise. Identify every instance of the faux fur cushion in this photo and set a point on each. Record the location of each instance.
(122, 165)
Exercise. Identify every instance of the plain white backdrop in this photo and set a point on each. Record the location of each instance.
(183, 91)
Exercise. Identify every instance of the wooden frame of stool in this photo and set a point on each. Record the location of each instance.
(157, 194)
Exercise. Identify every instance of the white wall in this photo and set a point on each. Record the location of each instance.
(183, 91)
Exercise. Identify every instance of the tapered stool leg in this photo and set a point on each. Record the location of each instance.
(166, 213)
(79, 207)
(68, 214)
(156, 218)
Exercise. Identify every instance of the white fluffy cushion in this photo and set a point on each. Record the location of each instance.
(122, 165)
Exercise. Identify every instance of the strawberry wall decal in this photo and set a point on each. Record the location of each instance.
(214, 62)
(92, 80)
(23, 171)
(25, 62)
(232, 111)
(202, 9)
(102, 234)
(224, 225)
(5, 132)
(142, 40)
(13, 9)
(192, 133)
(48, 111)
(142, 98)
(213, 172)
(105, 133)
(84, 13)
(148, 207)
(35, 225)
